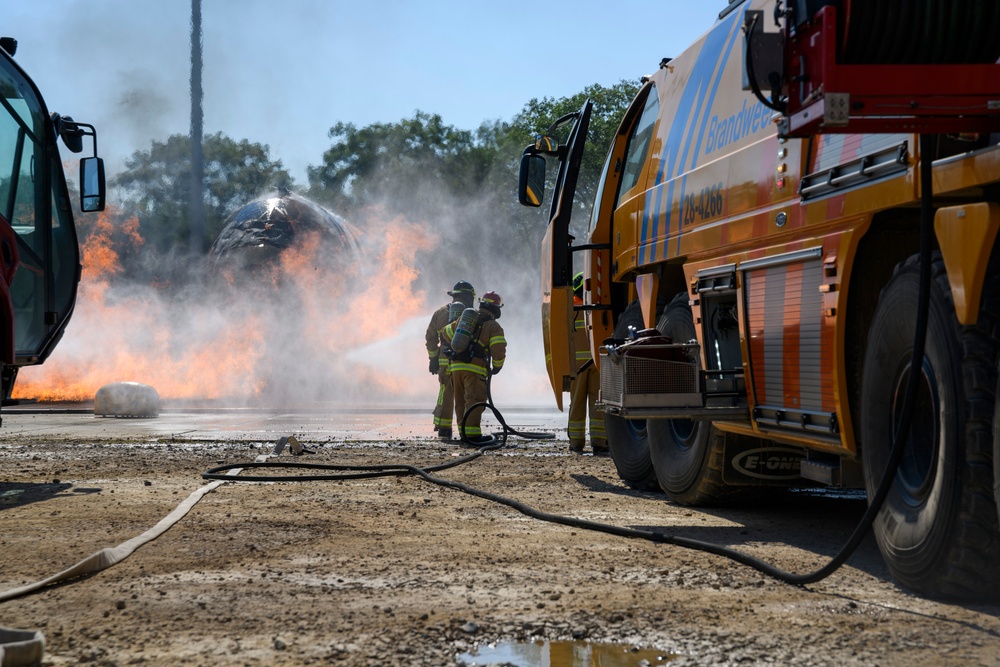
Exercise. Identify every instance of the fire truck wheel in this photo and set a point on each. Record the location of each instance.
(938, 527)
(687, 455)
(627, 438)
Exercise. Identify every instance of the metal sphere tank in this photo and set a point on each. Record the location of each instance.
(256, 234)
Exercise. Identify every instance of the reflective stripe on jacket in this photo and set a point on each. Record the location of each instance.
(581, 341)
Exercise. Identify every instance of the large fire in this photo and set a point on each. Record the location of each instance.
(299, 333)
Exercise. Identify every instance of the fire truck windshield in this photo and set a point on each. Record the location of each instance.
(34, 200)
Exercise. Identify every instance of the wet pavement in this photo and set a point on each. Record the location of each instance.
(311, 424)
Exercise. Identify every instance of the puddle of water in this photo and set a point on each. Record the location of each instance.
(544, 653)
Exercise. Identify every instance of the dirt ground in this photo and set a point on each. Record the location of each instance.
(396, 571)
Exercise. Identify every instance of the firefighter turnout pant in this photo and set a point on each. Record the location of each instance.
(470, 388)
(446, 400)
(583, 392)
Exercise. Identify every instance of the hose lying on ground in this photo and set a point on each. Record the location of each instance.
(501, 437)
(108, 557)
(27, 647)
(875, 503)
(401, 469)
(105, 558)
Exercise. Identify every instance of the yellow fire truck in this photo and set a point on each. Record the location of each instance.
(753, 274)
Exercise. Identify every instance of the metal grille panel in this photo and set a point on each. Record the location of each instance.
(630, 381)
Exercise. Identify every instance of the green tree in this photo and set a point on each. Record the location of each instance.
(610, 104)
(390, 163)
(517, 227)
(420, 165)
(156, 184)
(463, 183)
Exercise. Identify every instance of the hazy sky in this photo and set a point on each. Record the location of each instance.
(282, 73)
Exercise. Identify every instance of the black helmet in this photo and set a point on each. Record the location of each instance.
(464, 292)
(463, 287)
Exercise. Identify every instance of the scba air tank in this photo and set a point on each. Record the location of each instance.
(455, 309)
(463, 329)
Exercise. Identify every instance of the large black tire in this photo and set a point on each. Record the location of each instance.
(996, 450)
(938, 527)
(627, 438)
(687, 455)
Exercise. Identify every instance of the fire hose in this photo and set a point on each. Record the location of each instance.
(230, 472)
(895, 454)
(27, 647)
(507, 430)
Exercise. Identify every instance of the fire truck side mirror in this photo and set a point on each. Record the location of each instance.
(8, 44)
(92, 187)
(531, 180)
(546, 145)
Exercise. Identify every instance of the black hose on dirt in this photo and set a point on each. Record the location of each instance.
(902, 430)
(874, 506)
(501, 437)
(425, 473)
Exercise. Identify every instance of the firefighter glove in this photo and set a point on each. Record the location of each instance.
(433, 367)
(495, 370)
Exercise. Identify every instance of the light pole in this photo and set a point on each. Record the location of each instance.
(197, 211)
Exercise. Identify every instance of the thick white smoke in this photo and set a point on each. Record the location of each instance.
(314, 329)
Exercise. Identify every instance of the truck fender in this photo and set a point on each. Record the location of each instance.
(965, 235)
(647, 286)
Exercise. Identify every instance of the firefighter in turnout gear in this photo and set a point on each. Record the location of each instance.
(470, 369)
(464, 293)
(584, 388)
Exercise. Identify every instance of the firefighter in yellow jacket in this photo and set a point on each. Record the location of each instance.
(584, 388)
(470, 368)
(464, 293)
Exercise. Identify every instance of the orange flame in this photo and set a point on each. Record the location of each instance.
(225, 348)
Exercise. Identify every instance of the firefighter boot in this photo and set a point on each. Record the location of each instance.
(600, 446)
(576, 445)
(444, 433)
(480, 440)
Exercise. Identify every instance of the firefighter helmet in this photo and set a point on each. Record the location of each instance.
(578, 284)
(491, 299)
(491, 303)
(463, 287)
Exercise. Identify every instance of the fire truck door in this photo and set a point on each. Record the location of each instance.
(557, 263)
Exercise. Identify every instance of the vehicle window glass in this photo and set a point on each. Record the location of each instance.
(22, 159)
(65, 252)
(639, 141)
(596, 210)
(29, 282)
